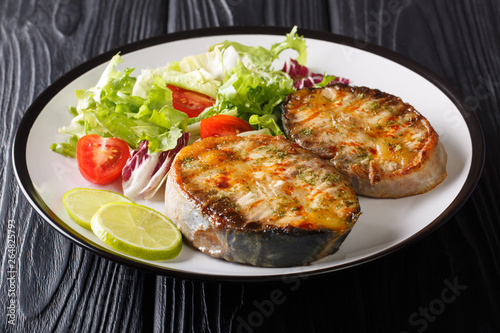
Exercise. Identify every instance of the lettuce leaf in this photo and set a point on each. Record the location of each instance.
(252, 89)
(66, 148)
(199, 80)
(292, 41)
(268, 121)
(263, 58)
(240, 77)
(216, 62)
(110, 110)
(252, 92)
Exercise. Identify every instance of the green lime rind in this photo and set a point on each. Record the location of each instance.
(82, 203)
(137, 230)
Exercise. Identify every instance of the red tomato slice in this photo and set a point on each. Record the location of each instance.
(223, 125)
(190, 102)
(101, 160)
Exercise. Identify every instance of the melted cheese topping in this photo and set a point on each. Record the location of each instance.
(365, 133)
(265, 182)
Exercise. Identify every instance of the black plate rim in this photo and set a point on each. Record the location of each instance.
(29, 118)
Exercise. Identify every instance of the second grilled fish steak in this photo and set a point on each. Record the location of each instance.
(259, 200)
(385, 147)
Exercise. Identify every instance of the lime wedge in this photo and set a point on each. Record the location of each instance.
(137, 230)
(82, 203)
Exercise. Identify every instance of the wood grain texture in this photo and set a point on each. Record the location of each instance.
(59, 287)
(197, 14)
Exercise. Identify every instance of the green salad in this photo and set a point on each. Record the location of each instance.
(229, 79)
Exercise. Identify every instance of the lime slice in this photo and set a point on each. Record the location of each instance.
(82, 203)
(137, 230)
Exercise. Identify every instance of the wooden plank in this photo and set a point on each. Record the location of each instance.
(57, 286)
(446, 282)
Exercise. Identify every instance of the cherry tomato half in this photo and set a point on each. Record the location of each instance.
(223, 125)
(190, 102)
(101, 160)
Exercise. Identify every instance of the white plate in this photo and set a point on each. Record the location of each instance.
(385, 225)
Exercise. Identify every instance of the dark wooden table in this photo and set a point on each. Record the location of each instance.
(447, 282)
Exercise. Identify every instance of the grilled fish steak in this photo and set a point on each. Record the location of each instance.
(259, 200)
(384, 146)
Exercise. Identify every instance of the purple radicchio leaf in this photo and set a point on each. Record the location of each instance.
(303, 77)
(144, 173)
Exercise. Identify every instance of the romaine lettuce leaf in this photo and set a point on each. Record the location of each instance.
(110, 110)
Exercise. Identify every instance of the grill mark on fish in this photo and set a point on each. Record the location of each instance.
(372, 137)
(261, 189)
